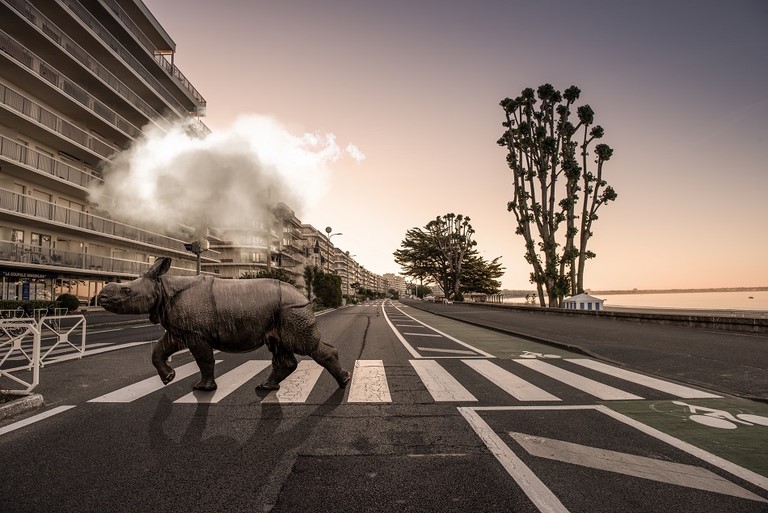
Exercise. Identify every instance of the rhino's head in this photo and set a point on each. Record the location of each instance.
(137, 296)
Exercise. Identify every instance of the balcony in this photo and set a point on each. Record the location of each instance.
(39, 116)
(74, 50)
(19, 154)
(52, 76)
(168, 67)
(52, 214)
(113, 44)
(42, 259)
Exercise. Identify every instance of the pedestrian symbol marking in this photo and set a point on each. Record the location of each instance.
(631, 465)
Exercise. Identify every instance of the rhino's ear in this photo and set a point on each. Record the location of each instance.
(159, 268)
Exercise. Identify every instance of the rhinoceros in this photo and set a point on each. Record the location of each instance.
(202, 313)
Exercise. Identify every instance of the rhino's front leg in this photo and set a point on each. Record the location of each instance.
(162, 350)
(203, 354)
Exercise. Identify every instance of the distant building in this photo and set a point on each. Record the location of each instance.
(583, 302)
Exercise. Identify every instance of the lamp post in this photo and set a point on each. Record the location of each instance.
(328, 231)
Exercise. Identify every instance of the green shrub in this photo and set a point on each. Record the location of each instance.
(68, 301)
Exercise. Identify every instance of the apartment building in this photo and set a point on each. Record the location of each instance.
(79, 82)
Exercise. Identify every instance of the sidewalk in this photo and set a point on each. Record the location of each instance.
(728, 362)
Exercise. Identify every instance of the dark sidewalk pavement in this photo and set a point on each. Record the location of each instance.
(732, 363)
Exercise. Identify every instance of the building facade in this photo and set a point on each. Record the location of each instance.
(80, 81)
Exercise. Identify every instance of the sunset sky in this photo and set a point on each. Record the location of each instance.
(679, 86)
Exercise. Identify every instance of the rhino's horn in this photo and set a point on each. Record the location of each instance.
(159, 268)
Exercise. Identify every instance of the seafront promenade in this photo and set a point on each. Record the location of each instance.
(734, 362)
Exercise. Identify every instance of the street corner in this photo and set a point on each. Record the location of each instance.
(732, 428)
(636, 468)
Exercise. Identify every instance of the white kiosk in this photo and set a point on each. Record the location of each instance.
(583, 302)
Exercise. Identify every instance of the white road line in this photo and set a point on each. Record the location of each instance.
(511, 384)
(369, 383)
(439, 382)
(590, 386)
(451, 351)
(423, 334)
(408, 325)
(297, 387)
(227, 383)
(534, 488)
(653, 469)
(33, 419)
(641, 379)
(144, 387)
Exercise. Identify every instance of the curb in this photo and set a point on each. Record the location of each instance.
(22, 405)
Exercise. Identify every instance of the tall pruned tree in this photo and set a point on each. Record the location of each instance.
(553, 184)
(441, 251)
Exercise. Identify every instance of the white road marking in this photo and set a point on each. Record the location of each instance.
(439, 382)
(633, 465)
(144, 387)
(369, 383)
(423, 334)
(227, 383)
(410, 348)
(641, 379)
(511, 384)
(33, 419)
(534, 488)
(452, 351)
(298, 385)
(590, 386)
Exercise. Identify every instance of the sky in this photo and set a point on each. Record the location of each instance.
(679, 87)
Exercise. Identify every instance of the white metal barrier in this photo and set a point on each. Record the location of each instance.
(21, 339)
(20, 336)
(53, 324)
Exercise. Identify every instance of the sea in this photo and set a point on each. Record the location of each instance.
(741, 300)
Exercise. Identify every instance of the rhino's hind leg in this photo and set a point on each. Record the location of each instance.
(162, 350)
(203, 355)
(327, 356)
(283, 364)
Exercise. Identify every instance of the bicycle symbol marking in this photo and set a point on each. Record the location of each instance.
(721, 419)
(529, 354)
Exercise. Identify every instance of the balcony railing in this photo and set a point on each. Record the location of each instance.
(69, 46)
(110, 40)
(43, 210)
(39, 114)
(21, 154)
(70, 260)
(168, 67)
(35, 64)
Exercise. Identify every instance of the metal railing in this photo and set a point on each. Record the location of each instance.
(18, 153)
(88, 19)
(169, 68)
(21, 341)
(56, 78)
(35, 112)
(73, 49)
(44, 210)
(44, 256)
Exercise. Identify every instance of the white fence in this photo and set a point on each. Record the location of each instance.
(21, 346)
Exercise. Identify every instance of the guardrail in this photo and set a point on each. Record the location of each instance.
(21, 338)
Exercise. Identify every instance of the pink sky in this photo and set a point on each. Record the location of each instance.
(678, 86)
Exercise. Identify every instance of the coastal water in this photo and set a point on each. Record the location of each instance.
(742, 300)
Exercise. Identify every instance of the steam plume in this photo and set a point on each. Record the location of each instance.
(227, 178)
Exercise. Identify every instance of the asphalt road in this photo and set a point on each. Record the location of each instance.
(730, 362)
(440, 416)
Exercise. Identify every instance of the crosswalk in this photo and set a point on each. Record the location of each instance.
(372, 382)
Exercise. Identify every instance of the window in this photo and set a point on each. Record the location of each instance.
(39, 239)
(17, 236)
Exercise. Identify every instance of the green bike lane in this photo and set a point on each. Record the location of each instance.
(727, 427)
